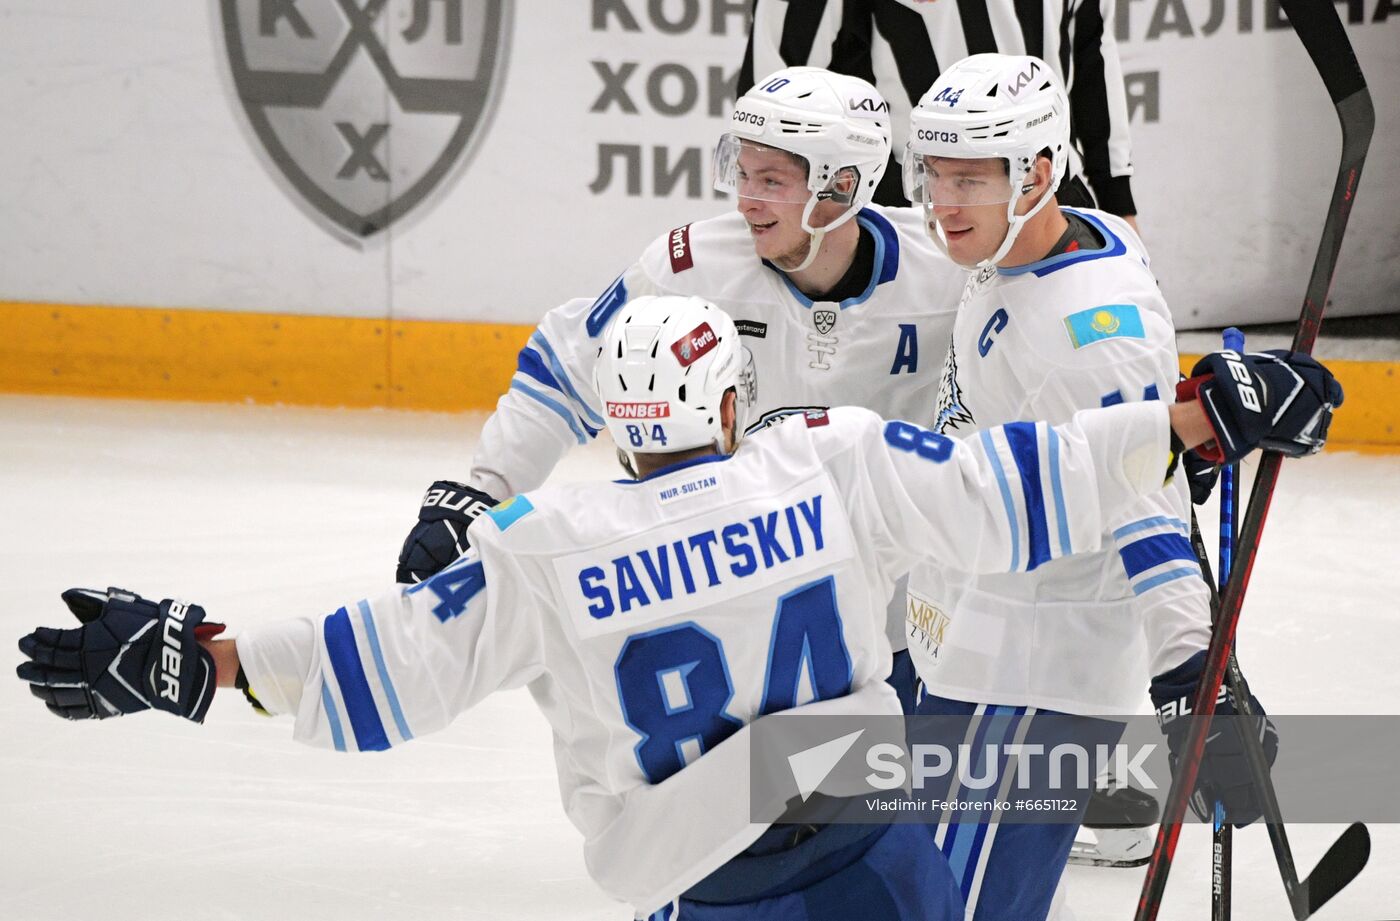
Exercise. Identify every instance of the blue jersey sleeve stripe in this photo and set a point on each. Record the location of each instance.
(1145, 524)
(371, 634)
(555, 405)
(1025, 449)
(1154, 550)
(1171, 575)
(562, 378)
(990, 448)
(529, 363)
(354, 685)
(1057, 488)
(332, 717)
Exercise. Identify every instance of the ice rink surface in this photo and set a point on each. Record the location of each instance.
(259, 513)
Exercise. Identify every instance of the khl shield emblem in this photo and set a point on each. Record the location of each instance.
(824, 320)
(365, 107)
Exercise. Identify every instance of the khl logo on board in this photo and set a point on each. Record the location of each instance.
(365, 107)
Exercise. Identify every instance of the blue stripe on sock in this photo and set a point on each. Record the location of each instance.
(354, 685)
(995, 726)
(1025, 448)
(384, 680)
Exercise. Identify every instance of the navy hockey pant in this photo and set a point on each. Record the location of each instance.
(874, 873)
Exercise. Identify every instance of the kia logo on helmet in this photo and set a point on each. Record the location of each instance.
(868, 104)
(1024, 78)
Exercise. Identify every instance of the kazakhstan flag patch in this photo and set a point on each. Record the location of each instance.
(510, 511)
(1111, 321)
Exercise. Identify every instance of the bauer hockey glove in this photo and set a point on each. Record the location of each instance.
(440, 536)
(130, 655)
(1224, 776)
(1278, 400)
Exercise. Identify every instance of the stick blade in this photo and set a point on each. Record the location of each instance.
(1339, 866)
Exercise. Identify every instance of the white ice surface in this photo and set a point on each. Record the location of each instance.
(258, 513)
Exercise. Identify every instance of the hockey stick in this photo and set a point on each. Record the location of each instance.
(1320, 30)
(1347, 856)
(1223, 833)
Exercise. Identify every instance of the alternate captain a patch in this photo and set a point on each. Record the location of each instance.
(1111, 321)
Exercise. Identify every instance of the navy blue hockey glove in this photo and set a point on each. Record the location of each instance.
(1201, 476)
(1224, 776)
(440, 536)
(1278, 400)
(130, 655)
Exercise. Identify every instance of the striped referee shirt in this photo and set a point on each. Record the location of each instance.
(902, 45)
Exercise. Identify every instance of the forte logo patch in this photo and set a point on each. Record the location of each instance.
(694, 344)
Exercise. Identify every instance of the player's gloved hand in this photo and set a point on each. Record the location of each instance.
(1201, 476)
(130, 655)
(440, 536)
(1278, 400)
(1224, 776)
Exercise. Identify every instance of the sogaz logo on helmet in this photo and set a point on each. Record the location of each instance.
(946, 137)
(741, 117)
(364, 109)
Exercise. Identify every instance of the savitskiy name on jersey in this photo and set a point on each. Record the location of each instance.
(703, 560)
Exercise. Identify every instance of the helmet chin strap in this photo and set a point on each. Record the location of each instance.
(1014, 224)
(818, 234)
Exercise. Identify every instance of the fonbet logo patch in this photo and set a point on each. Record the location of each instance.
(694, 345)
(364, 109)
(639, 410)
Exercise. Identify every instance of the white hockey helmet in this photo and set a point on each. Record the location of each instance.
(838, 124)
(665, 365)
(1005, 106)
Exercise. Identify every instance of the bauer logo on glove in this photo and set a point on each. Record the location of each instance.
(129, 655)
(1277, 400)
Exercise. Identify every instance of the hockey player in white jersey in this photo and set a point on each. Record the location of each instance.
(655, 619)
(840, 302)
(1062, 314)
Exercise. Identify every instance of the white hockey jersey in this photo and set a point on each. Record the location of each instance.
(1043, 341)
(655, 620)
(880, 350)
